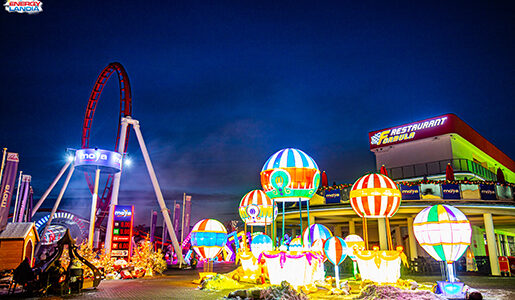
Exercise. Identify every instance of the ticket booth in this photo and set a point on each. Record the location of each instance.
(17, 241)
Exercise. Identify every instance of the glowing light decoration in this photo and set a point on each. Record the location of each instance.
(290, 175)
(335, 250)
(257, 209)
(375, 196)
(315, 232)
(208, 237)
(296, 245)
(444, 232)
(260, 243)
(354, 243)
(298, 269)
(379, 265)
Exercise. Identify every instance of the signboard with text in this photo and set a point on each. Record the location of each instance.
(121, 244)
(487, 192)
(412, 131)
(332, 196)
(451, 191)
(410, 192)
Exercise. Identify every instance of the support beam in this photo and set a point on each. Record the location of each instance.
(352, 227)
(492, 245)
(398, 237)
(56, 205)
(412, 241)
(116, 186)
(52, 185)
(381, 228)
(157, 190)
(311, 219)
(338, 230)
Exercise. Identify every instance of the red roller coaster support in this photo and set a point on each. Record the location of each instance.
(125, 110)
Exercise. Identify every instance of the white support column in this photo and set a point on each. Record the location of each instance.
(398, 237)
(116, 186)
(157, 190)
(412, 241)
(92, 216)
(492, 245)
(56, 205)
(311, 219)
(338, 230)
(507, 245)
(52, 185)
(381, 228)
(352, 227)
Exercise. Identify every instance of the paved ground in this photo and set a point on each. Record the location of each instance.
(177, 284)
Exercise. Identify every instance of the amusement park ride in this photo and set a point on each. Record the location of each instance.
(108, 162)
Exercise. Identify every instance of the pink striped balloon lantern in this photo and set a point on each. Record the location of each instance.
(257, 209)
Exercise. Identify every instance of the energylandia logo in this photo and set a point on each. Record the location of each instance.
(19, 6)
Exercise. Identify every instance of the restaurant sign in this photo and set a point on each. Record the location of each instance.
(412, 131)
(410, 192)
(450, 191)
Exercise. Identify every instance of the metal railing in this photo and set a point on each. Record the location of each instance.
(438, 168)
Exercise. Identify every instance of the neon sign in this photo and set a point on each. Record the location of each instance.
(413, 131)
(121, 244)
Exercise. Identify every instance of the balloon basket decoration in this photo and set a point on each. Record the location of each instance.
(298, 268)
(381, 266)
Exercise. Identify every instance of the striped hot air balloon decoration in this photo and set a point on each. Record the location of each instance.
(257, 209)
(316, 232)
(335, 250)
(295, 245)
(375, 196)
(290, 174)
(208, 237)
(444, 232)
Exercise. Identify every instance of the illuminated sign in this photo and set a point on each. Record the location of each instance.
(91, 159)
(412, 131)
(123, 218)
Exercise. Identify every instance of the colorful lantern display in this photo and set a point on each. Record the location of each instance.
(444, 232)
(296, 245)
(257, 209)
(208, 237)
(315, 232)
(354, 243)
(260, 243)
(335, 250)
(290, 175)
(375, 196)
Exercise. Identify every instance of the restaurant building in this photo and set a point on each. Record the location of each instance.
(416, 155)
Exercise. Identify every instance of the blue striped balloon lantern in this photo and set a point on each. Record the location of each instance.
(316, 232)
(260, 243)
(290, 175)
(335, 250)
(208, 237)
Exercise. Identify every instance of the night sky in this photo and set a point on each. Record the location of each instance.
(220, 86)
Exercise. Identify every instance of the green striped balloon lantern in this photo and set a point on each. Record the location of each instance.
(444, 232)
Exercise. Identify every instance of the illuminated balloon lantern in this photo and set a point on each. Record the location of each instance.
(354, 243)
(208, 237)
(316, 232)
(335, 250)
(257, 209)
(296, 245)
(444, 232)
(375, 196)
(290, 174)
(260, 243)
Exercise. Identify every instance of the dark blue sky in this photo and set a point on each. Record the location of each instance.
(218, 87)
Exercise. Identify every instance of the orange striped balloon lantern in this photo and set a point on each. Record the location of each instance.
(375, 196)
(257, 209)
(208, 237)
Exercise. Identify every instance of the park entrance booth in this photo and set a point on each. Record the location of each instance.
(17, 242)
